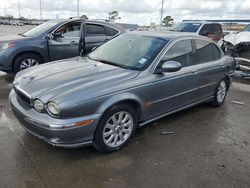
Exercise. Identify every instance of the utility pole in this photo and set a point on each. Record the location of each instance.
(161, 11)
(19, 11)
(78, 4)
(5, 10)
(41, 14)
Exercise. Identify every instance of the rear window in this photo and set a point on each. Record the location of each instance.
(186, 27)
(111, 31)
(95, 30)
(206, 52)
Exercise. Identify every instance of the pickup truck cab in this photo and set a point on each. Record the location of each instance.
(207, 29)
(52, 40)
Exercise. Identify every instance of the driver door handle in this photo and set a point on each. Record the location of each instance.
(73, 42)
(194, 71)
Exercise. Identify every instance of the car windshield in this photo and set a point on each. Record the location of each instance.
(247, 28)
(129, 51)
(40, 29)
(186, 27)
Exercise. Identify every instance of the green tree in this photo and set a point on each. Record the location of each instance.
(114, 15)
(22, 18)
(168, 21)
(84, 17)
(9, 17)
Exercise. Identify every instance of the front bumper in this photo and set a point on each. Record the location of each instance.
(38, 124)
(5, 61)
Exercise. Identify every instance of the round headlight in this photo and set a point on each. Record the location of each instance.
(53, 108)
(38, 105)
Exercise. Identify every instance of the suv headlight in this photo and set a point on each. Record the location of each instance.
(38, 105)
(53, 108)
(5, 45)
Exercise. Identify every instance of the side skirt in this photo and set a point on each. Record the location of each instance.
(177, 110)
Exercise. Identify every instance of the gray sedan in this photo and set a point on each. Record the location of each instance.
(124, 84)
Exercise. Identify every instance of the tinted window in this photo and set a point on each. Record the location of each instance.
(247, 28)
(181, 52)
(129, 51)
(111, 31)
(95, 30)
(217, 29)
(186, 27)
(206, 29)
(206, 52)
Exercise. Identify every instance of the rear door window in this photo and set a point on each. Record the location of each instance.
(111, 31)
(182, 52)
(95, 30)
(206, 52)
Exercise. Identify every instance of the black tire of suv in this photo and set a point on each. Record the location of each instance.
(19, 60)
(99, 143)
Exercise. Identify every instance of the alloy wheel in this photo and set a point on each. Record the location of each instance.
(27, 63)
(118, 129)
(221, 91)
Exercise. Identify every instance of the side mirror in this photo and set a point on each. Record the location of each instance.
(92, 49)
(57, 35)
(49, 36)
(170, 66)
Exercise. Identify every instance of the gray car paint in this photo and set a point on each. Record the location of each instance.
(84, 88)
(51, 49)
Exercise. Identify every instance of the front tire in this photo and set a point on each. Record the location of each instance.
(116, 128)
(220, 93)
(25, 61)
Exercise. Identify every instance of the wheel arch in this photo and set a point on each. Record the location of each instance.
(126, 98)
(28, 52)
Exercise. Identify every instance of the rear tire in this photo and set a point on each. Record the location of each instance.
(220, 93)
(25, 61)
(116, 128)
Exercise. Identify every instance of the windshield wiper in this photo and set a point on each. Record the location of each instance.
(21, 34)
(178, 30)
(109, 62)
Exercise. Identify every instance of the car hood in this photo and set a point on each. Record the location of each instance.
(11, 38)
(67, 79)
(238, 38)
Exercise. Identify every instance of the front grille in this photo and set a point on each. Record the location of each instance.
(22, 96)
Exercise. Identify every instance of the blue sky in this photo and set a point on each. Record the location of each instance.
(133, 11)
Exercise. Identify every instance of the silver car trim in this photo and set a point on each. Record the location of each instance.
(22, 91)
(174, 111)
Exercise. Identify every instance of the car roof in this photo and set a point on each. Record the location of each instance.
(200, 22)
(110, 24)
(168, 35)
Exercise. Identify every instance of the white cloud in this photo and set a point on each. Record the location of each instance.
(132, 11)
